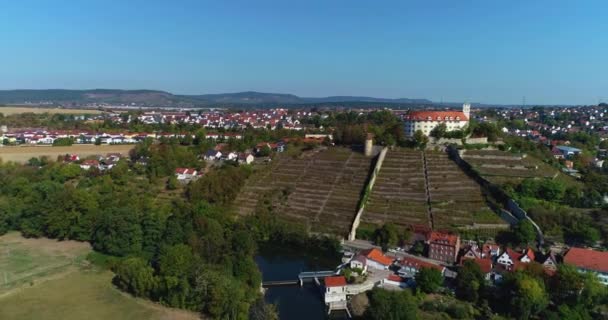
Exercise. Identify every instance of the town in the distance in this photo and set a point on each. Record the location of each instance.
(472, 211)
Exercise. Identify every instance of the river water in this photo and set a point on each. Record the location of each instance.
(295, 302)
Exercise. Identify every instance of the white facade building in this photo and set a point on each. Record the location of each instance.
(426, 121)
(335, 290)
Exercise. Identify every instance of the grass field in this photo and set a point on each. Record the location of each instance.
(9, 110)
(48, 279)
(26, 261)
(22, 154)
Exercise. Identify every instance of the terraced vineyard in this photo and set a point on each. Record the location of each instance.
(456, 199)
(499, 166)
(321, 190)
(399, 194)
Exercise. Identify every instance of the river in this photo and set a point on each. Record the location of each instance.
(295, 302)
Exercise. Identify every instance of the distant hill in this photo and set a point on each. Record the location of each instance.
(162, 98)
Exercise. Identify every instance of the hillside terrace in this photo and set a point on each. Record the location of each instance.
(456, 199)
(320, 190)
(399, 194)
(500, 166)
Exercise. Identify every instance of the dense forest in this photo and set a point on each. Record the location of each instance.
(183, 248)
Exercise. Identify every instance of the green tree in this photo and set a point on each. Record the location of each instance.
(420, 140)
(221, 297)
(387, 236)
(439, 131)
(176, 261)
(118, 232)
(524, 232)
(391, 305)
(470, 282)
(134, 275)
(529, 297)
(429, 280)
(418, 248)
(172, 182)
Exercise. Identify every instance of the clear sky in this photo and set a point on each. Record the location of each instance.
(485, 51)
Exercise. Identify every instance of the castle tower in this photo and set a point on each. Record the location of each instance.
(369, 144)
(466, 109)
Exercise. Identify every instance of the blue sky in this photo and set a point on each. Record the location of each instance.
(551, 52)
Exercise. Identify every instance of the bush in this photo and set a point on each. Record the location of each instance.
(63, 142)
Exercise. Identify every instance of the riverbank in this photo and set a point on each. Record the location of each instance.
(285, 263)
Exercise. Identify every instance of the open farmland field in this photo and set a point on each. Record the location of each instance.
(399, 193)
(456, 199)
(10, 110)
(22, 154)
(320, 190)
(48, 279)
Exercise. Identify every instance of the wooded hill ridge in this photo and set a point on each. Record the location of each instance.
(163, 98)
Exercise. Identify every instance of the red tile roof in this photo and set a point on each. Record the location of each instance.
(530, 253)
(394, 277)
(90, 162)
(377, 255)
(335, 281)
(587, 259)
(185, 171)
(443, 238)
(436, 116)
(484, 264)
(514, 254)
(418, 263)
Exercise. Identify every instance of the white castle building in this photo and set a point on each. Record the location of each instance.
(426, 121)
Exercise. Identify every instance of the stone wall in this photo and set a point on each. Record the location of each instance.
(368, 189)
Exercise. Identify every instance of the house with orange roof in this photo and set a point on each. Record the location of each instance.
(335, 290)
(588, 260)
(512, 260)
(527, 256)
(426, 121)
(375, 259)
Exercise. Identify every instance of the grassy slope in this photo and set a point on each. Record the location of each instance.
(48, 279)
(82, 295)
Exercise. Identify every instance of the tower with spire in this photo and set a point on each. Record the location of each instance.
(466, 109)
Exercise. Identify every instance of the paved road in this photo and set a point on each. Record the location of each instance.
(364, 245)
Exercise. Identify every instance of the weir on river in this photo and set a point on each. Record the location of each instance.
(303, 276)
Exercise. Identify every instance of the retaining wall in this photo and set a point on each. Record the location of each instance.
(368, 189)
